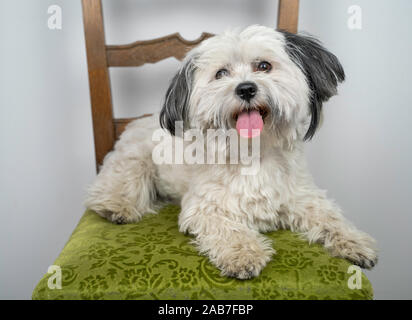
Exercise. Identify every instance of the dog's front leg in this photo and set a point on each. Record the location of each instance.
(320, 220)
(237, 250)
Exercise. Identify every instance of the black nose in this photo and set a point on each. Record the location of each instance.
(246, 90)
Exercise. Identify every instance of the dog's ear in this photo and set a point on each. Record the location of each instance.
(176, 104)
(321, 68)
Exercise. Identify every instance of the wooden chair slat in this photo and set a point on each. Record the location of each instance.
(151, 51)
(120, 124)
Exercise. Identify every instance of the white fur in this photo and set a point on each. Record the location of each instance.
(225, 210)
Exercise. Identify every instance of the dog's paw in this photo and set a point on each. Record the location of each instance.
(122, 218)
(117, 218)
(364, 262)
(360, 249)
(244, 263)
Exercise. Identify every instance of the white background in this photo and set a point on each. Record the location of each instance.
(362, 154)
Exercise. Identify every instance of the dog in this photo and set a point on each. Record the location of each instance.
(261, 84)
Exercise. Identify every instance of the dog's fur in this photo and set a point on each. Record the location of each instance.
(227, 212)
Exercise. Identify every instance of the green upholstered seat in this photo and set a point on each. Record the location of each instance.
(152, 260)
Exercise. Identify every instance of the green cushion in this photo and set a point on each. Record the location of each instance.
(153, 260)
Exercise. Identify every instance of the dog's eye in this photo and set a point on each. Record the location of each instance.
(221, 73)
(263, 66)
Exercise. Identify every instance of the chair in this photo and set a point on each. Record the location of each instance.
(151, 259)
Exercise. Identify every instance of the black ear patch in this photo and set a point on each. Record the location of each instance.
(321, 68)
(176, 104)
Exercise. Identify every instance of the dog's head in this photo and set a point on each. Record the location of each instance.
(271, 81)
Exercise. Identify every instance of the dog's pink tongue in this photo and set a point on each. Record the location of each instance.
(249, 124)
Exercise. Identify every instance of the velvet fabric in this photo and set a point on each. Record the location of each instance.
(153, 260)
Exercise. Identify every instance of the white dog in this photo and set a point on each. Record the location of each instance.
(269, 85)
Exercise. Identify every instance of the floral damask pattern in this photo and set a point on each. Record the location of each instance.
(152, 260)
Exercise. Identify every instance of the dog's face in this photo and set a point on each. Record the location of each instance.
(258, 80)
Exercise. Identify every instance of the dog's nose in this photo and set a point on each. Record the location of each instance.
(246, 90)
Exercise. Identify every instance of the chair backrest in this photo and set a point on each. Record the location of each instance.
(100, 57)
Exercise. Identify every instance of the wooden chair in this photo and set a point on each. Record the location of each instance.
(153, 260)
(101, 56)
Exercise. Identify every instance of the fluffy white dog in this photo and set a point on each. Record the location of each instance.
(268, 85)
